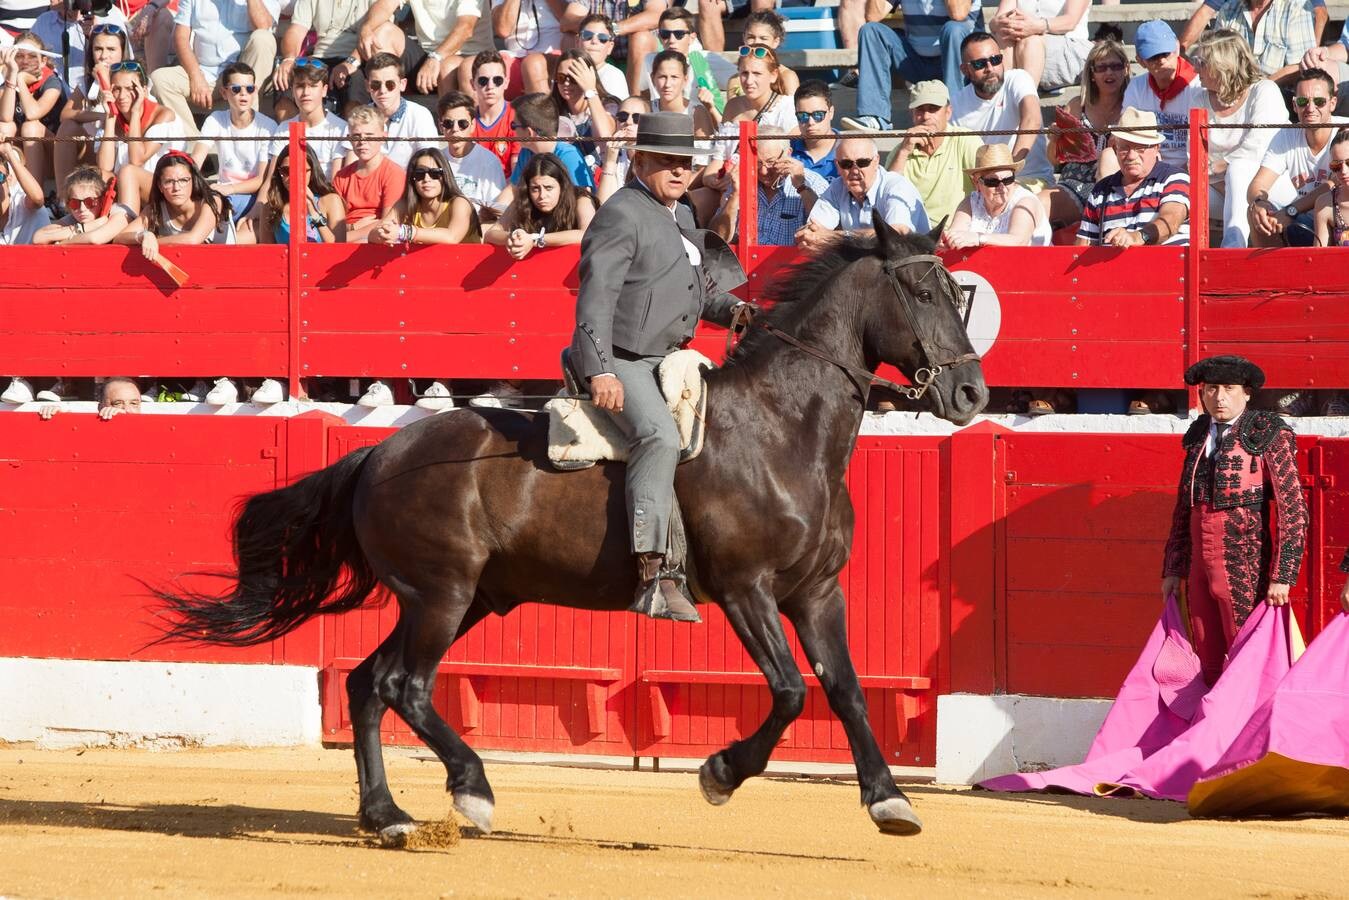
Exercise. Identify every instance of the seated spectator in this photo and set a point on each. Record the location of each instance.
(617, 161)
(371, 185)
(1235, 93)
(583, 102)
(242, 164)
(1146, 201)
(151, 29)
(531, 37)
(1295, 172)
(936, 161)
(494, 119)
(929, 47)
(116, 395)
(1083, 158)
(182, 209)
(68, 27)
(93, 218)
(1331, 59)
(448, 35)
(476, 170)
(548, 210)
(998, 212)
(133, 114)
(322, 129)
(1332, 207)
(762, 99)
(862, 186)
(207, 36)
(670, 80)
(815, 123)
(433, 209)
(787, 192)
(633, 24)
(325, 215)
(536, 124)
(336, 30)
(88, 101)
(1279, 32)
(1047, 39)
(1168, 89)
(21, 209)
(675, 32)
(595, 35)
(385, 84)
(765, 28)
(31, 100)
(711, 30)
(1002, 99)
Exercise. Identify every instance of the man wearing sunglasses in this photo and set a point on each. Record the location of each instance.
(634, 23)
(385, 82)
(862, 186)
(596, 37)
(207, 36)
(1295, 172)
(1169, 88)
(242, 163)
(335, 24)
(814, 149)
(1279, 32)
(476, 169)
(999, 99)
(676, 32)
(1146, 202)
(494, 119)
(929, 47)
(68, 28)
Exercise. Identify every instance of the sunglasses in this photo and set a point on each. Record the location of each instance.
(678, 34)
(622, 117)
(309, 62)
(816, 116)
(129, 65)
(283, 171)
(603, 37)
(756, 52)
(421, 173)
(1102, 68)
(992, 181)
(847, 164)
(979, 65)
(494, 80)
(89, 203)
(106, 28)
(455, 124)
(241, 88)
(386, 85)
(1304, 102)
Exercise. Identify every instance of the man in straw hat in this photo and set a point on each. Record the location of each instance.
(1240, 521)
(1146, 201)
(647, 277)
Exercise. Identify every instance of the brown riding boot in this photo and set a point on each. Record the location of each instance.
(658, 592)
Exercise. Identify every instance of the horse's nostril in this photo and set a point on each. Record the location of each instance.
(971, 396)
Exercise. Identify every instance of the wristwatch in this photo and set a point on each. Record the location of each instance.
(590, 95)
(435, 54)
(1291, 211)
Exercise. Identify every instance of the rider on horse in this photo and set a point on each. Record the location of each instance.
(647, 276)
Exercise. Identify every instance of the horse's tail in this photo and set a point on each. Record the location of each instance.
(296, 556)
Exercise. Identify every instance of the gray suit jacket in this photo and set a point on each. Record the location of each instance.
(639, 292)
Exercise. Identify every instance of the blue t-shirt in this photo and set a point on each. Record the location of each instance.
(572, 159)
(825, 166)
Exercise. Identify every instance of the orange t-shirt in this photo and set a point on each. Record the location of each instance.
(505, 151)
(367, 196)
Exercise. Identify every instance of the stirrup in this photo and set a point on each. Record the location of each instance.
(652, 601)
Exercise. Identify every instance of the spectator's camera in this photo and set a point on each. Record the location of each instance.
(89, 7)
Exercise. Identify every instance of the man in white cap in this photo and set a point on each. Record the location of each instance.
(1146, 201)
(934, 160)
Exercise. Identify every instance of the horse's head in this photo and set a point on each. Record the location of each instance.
(910, 321)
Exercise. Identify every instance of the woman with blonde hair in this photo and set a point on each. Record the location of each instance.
(1084, 158)
(1235, 93)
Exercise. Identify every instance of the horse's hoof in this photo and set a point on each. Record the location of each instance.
(478, 811)
(895, 816)
(714, 791)
(396, 835)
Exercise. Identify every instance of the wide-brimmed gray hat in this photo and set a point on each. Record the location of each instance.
(666, 132)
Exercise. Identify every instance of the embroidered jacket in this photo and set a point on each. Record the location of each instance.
(1256, 468)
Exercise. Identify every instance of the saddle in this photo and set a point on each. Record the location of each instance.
(579, 435)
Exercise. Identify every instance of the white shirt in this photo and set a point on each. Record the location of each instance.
(239, 160)
(48, 28)
(1176, 111)
(1288, 154)
(1052, 9)
(414, 121)
(326, 151)
(781, 114)
(614, 81)
(479, 175)
(891, 193)
(435, 19)
(1003, 111)
(220, 28)
(982, 222)
(170, 134)
(1263, 105)
(536, 30)
(23, 222)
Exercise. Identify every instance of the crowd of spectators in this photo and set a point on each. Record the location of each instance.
(208, 89)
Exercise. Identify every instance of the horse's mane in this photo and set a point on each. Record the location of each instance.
(798, 289)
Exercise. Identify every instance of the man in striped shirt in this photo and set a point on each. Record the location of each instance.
(1146, 201)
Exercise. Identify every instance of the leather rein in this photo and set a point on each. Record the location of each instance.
(923, 378)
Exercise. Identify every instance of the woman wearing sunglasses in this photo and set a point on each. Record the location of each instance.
(133, 114)
(325, 215)
(581, 100)
(87, 194)
(1332, 208)
(999, 212)
(1084, 158)
(615, 167)
(88, 101)
(433, 209)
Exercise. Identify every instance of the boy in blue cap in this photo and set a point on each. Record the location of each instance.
(1169, 88)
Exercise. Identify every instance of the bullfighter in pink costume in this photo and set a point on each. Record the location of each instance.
(1240, 521)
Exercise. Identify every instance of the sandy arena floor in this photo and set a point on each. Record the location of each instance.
(132, 823)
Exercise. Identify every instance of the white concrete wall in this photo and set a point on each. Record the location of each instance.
(75, 703)
(981, 736)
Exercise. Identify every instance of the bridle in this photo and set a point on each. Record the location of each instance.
(924, 377)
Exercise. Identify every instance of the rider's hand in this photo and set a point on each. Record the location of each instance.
(1170, 585)
(607, 392)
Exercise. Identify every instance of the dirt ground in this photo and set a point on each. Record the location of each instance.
(208, 823)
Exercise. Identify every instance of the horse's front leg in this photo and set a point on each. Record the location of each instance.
(754, 616)
(820, 620)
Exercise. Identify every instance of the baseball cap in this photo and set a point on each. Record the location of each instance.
(929, 93)
(1154, 38)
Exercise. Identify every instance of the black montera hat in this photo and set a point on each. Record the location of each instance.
(1226, 370)
(666, 132)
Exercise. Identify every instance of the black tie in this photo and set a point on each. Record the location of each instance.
(1219, 430)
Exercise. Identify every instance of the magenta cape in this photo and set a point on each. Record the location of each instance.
(1292, 756)
(1164, 730)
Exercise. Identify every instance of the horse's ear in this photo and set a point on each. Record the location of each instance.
(887, 239)
(935, 233)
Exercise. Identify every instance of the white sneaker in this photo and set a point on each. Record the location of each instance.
(19, 391)
(378, 394)
(270, 391)
(53, 394)
(195, 393)
(223, 392)
(865, 123)
(437, 397)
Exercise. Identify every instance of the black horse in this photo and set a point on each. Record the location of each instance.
(460, 515)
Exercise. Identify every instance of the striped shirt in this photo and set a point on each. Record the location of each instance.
(924, 20)
(782, 215)
(1109, 207)
(1284, 33)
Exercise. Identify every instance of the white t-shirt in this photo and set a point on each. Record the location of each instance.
(220, 28)
(983, 222)
(722, 70)
(1052, 9)
(23, 222)
(536, 29)
(239, 160)
(170, 134)
(1263, 106)
(1003, 111)
(413, 121)
(479, 175)
(614, 81)
(1288, 154)
(435, 19)
(1176, 111)
(780, 114)
(326, 151)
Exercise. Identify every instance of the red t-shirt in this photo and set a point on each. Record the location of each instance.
(367, 196)
(504, 150)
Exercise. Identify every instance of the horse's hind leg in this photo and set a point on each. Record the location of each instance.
(754, 616)
(821, 623)
(371, 687)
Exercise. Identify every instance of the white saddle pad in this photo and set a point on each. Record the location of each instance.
(579, 435)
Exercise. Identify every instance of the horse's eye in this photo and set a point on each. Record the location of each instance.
(925, 296)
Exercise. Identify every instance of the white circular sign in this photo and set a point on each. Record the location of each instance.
(979, 308)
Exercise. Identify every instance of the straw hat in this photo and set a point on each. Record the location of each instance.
(1138, 126)
(991, 157)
